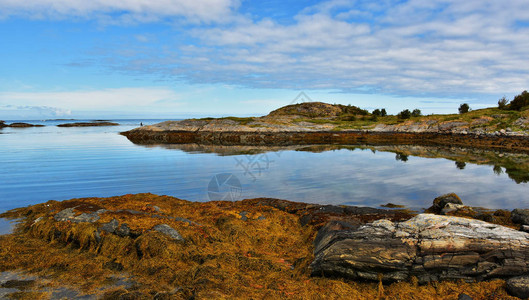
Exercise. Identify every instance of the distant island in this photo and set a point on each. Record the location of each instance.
(19, 125)
(503, 127)
(88, 124)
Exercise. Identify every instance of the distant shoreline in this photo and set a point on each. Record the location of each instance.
(321, 123)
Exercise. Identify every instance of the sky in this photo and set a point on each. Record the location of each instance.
(181, 58)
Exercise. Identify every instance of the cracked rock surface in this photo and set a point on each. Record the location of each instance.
(429, 247)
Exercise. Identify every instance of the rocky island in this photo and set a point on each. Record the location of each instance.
(321, 123)
(18, 125)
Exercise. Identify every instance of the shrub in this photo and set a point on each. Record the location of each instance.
(380, 112)
(461, 165)
(405, 114)
(519, 101)
(464, 108)
(401, 157)
(352, 110)
(502, 103)
(416, 113)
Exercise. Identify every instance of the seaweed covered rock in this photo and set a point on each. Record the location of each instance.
(520, 216)
(69, 214)
(222, 257)
(429, 247)
(168, 231)
(440, 202)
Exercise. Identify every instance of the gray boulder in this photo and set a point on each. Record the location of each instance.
(430, 247)
(520, 216)
(518, 287)
(168, 231)
(65, 215)
(68, 214)
(464, 296)
(123, 230)
(110, 227)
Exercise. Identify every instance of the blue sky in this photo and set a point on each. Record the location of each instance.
(171, 59)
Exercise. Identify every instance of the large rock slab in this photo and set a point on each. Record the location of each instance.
(428, 246)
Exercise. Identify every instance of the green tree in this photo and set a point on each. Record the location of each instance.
(464, 108)
(416, 113)
(383, 112)
(376, 112)
(519, 101)
(460, 165)
(502, 103)
(497, 170)
(401, 157)
(405, 114)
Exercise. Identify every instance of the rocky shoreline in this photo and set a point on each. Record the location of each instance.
(256, 247)
(485, 141)
(321, 123)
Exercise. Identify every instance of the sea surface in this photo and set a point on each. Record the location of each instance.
(54, 163)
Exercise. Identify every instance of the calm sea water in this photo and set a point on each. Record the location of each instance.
(40, 164)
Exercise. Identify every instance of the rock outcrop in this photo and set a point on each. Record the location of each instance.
(440, 202)
(518, 286)
(74, 215)
(520, 216)
(429, 247)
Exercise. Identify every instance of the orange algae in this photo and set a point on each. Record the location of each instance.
(264, 255)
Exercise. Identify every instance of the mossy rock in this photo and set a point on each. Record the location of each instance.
(440, 202)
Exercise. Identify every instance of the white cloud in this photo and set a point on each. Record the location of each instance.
(122, 10)
(122, 99)
(438, 47)
(37, 110)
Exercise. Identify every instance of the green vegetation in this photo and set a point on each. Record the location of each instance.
(379, 112)
(405, 114)
(241, 121)
(502, 103)
(464, 108)
(416, 113)
(519, 103)
(352, 110)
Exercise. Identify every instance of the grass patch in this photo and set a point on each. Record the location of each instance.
(241, 121)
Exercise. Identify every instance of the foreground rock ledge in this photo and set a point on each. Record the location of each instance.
(429, 247)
